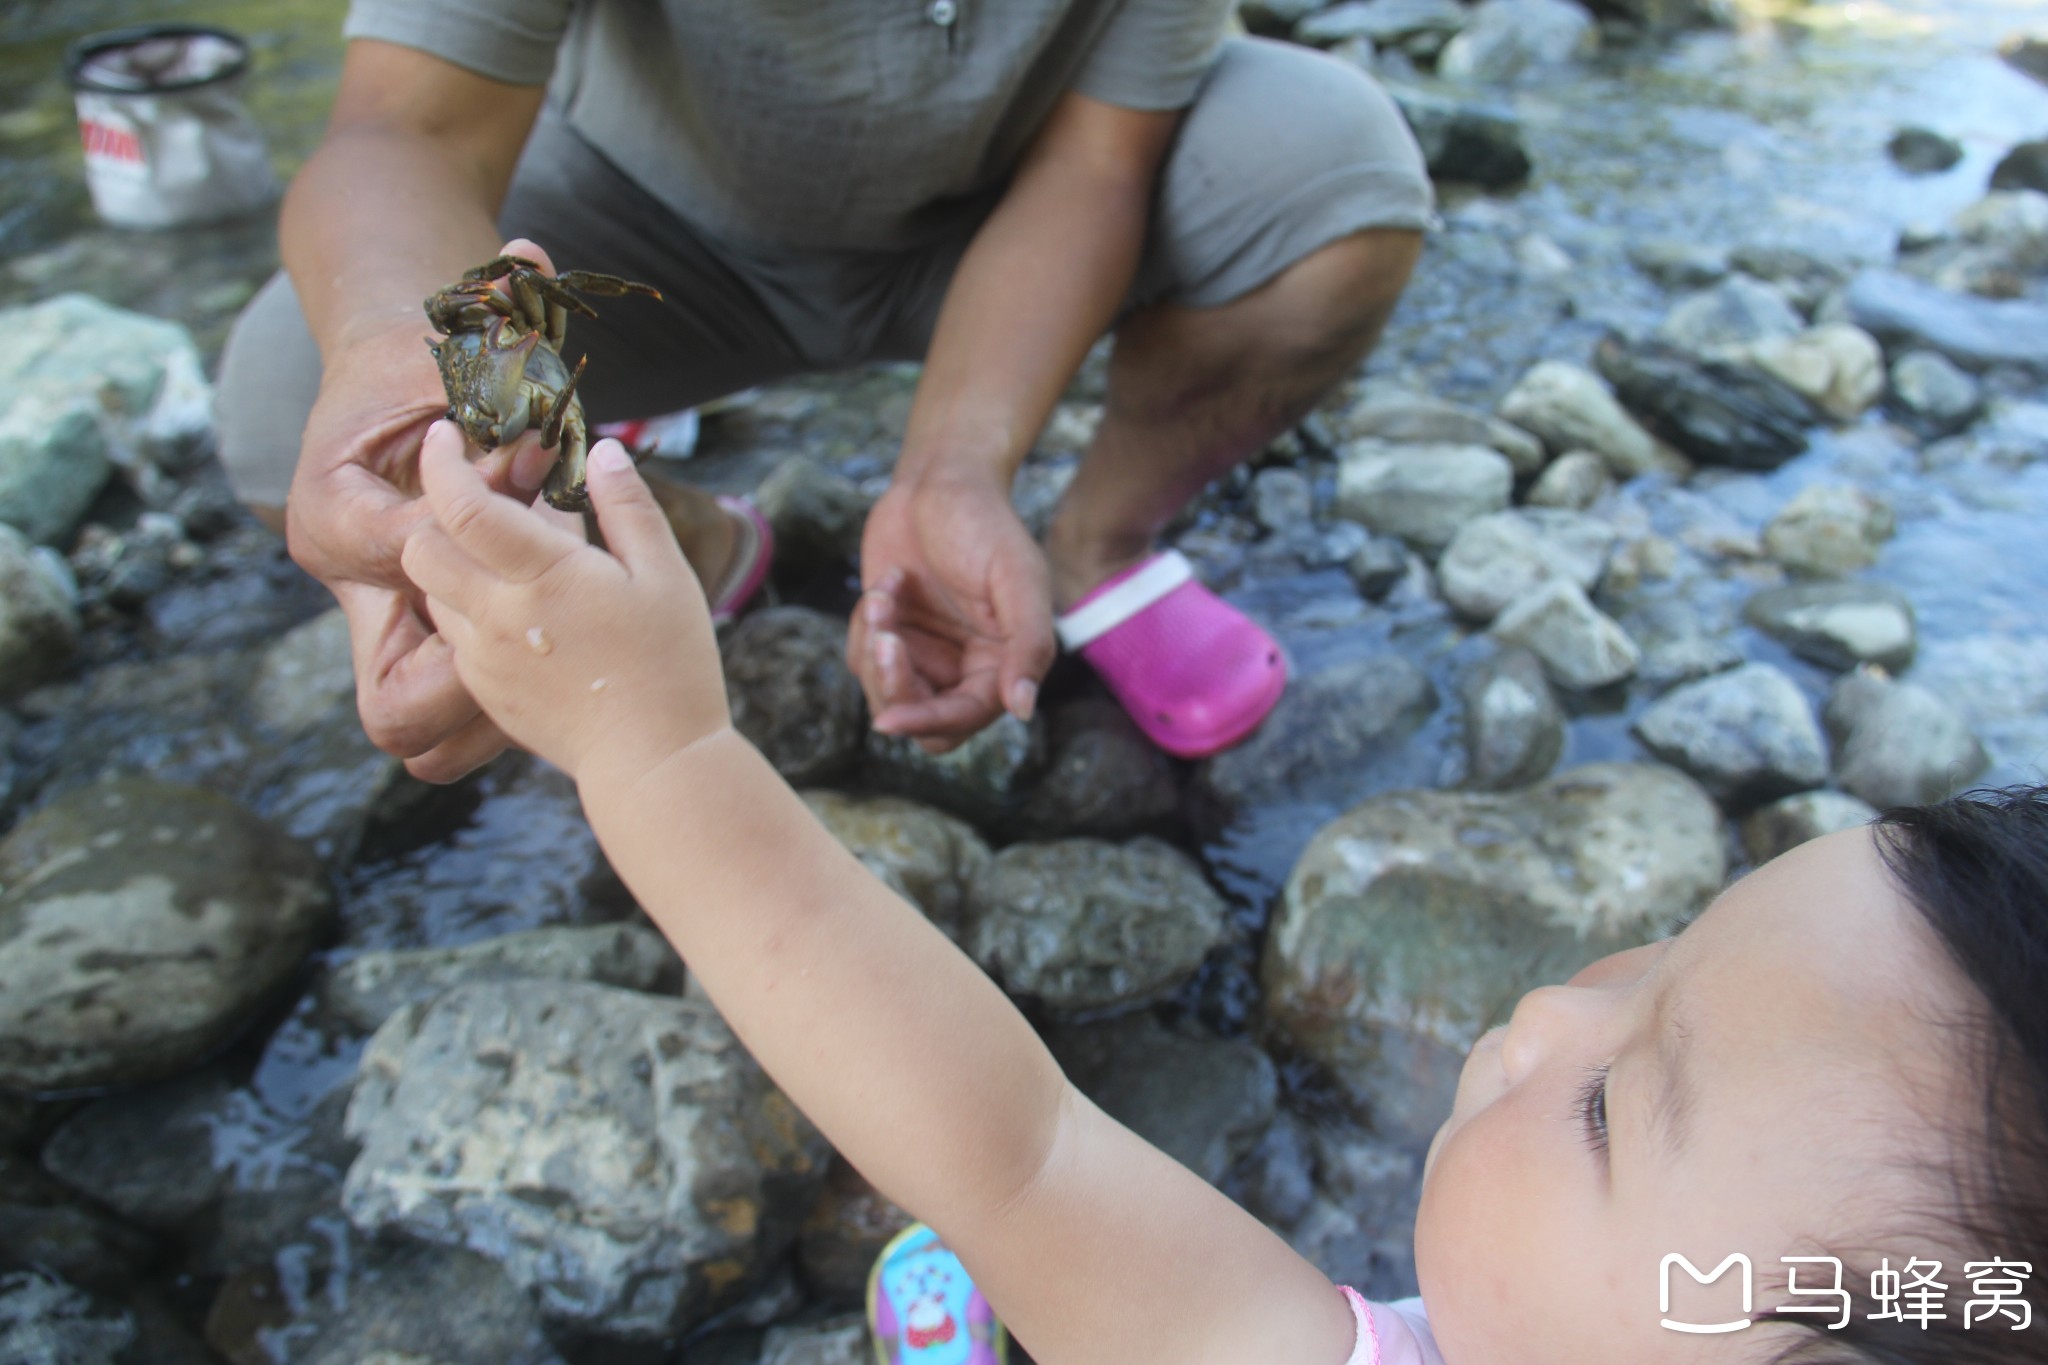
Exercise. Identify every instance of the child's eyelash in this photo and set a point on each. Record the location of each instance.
(1592, 1107)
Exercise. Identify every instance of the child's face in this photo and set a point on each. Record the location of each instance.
(1768, 1081)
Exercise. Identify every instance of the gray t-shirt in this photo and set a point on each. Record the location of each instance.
(851, 124)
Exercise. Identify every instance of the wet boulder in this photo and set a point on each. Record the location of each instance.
(1580, 645)
(1422, 420)
(1923, 151)
(984, 779)
(1897, 744)
(1839, 368)
(844, 1234)
(1081, 924)
(1514, 728)
(1202, 1100)
(142, 925)
(1933, 395)
(1498, 558)
(1713, 411)
(1829, 530)
(370, 988)
(817, 514)
(1329, 726)
(927, 857)
(1570, 408)
(1508, 39)
(38, 623)
(2025, 167)
(1573, 481)
(1102, 777)
(1975, 333)
(1747, 735)
(1725, 319)
(1421, 493)
(792, 693)
(1838, 625)
(1415, 921)
(619, 1155)
(1463, 140)
(1793, 820)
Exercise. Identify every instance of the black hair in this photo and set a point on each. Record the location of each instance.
(1976, 868)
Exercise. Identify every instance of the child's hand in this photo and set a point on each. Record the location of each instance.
(598, 662)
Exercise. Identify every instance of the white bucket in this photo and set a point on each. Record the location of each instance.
(167, 141)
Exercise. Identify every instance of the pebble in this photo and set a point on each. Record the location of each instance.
(1922, 151)
(1829, 530)
(1571, 408)
(1514, 728)
(1897, 743)
(1575, 481)
(1793, 820)
(1838, 625)
(1581, 646)
(1421, 493)
(1933, 395)
(1747, 735)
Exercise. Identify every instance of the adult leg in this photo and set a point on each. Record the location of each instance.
(1289, 217)
(710, 336)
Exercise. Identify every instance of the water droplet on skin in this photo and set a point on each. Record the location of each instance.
(538, 641)
(599, 684)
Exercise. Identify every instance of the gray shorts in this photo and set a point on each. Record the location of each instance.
(1284, 151)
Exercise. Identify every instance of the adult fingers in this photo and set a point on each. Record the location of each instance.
(407, 693)
(949, 716)
(532, 251)
(634, 527)
(461, 754)
(495, 531)
(1023, 606)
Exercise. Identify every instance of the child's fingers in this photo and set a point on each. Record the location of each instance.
(451, 624)
(493, 530)
(635, 529)
(440, 569)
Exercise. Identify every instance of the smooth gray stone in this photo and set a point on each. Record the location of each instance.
(1976, 333)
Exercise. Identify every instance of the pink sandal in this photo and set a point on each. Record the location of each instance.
(1195, 673)
(751, 559)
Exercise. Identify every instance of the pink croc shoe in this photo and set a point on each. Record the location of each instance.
(1195, 673)
(752, 555)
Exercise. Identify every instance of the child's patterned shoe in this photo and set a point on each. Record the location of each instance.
(924, 1310)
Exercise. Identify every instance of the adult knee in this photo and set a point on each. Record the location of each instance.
(269, 377)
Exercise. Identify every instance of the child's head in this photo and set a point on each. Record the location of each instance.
(1846, 1055)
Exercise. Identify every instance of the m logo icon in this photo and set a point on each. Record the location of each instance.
(1703, 1328)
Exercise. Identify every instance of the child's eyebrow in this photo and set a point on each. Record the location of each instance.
(1671, 1116)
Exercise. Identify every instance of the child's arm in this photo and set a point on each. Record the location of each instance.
(1090, 1243)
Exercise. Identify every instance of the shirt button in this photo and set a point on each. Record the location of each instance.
(943, 12)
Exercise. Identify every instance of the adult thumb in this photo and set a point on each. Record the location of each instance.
(635, 531)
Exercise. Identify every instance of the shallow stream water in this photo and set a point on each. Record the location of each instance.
(1773, 134)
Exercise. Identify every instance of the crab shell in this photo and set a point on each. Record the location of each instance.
(502, 381)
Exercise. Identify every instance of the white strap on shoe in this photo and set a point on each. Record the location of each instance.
(1105, 612)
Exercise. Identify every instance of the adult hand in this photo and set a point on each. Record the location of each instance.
(955, 624)
(354, 500)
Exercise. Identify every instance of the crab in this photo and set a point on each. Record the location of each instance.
(501, 360)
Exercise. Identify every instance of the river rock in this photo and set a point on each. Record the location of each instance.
(1898, 744)
(1679, 262)
(927, 857)
(792, 693)
(1975, 333)
(1506, 39)
(53, 459)
(984, 779)
(1514, 728)
(1377, 566)
(2012, 225)
(817, 514)
(1419, 419)
(840, 1341)
(1330, 724)
(1276, 18)
(844, 1233)
(1102, 777)
(1573, 481)
(141, 927)
(1283, 500)
(1933, 395)
(148, 1154)
(1828, 530)
(45, 1226)
(1421, 493)
(1793, 820)
(1923, 151)
(1571, 408)
(38, 624)
(1414, 922)
(1838, 625)
(47, 1321)
(1840, 368)
(369, 989)
(1081, 924)
(1498, 558)
(1464, 141)
(1385, 22)
(1667, 15)
(618, 1154)
(2027, 52)
(1727, 318)
(1202, 1100)
(2025, 167)
(1713, 411)
(1747, 735)
(1580, 645)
